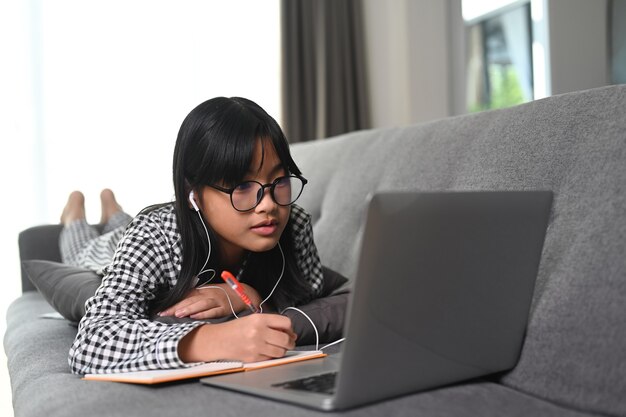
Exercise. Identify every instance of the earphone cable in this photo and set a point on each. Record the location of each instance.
(333, 343)
(317, 336)
(282, 271)
(202, 270)
(227, 297)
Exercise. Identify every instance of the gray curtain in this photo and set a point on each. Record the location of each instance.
(324, 85)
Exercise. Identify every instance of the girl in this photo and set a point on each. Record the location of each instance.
(235, 184)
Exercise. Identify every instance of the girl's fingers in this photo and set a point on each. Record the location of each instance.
(191, 298)
(196, 305)
(208, 314)
(280, 340)
(211, 302)
(178, 306)
(276, 321)
(189, 305)
(283, 323)
(279, 335)
(274, 351)
(257, 337)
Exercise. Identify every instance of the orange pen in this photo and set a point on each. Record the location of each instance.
(234, 284)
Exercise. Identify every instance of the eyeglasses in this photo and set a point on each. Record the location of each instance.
(247, 195)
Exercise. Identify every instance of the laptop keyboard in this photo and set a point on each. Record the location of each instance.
(323, 383)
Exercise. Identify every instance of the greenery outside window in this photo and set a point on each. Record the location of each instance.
(500, 70)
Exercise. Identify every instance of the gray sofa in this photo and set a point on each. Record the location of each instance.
(573, 361)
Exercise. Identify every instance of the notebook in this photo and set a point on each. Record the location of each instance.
(158, 376)
(442, 294)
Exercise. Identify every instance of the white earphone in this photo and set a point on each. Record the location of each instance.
(193, 201)
(208, 256)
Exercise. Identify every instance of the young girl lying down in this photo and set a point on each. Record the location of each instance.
(162, 303)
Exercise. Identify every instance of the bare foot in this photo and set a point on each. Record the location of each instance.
(109, 205)
(74, 209)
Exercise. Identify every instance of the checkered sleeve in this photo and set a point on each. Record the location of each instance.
(116, 335)
(307, 257)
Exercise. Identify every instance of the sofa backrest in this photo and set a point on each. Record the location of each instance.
(573, 144)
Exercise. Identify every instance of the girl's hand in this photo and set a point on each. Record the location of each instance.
(211, 302)
(253, 338)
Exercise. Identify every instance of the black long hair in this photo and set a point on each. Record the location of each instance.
(216, 144)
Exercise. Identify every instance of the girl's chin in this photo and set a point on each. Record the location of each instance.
(262, 246)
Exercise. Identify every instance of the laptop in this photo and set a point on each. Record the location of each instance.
(442, 294)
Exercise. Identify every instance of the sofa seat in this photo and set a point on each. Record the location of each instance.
(43, 386)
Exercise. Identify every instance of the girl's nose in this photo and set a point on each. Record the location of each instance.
(267, 202)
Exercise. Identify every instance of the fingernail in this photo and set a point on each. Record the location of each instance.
(180, 313)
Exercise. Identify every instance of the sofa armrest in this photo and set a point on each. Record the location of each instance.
(39, 242)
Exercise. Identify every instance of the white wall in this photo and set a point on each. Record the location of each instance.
(411, 68)
(92, 93)
(577, 33)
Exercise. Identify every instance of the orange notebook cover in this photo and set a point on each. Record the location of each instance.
(158, 376)
(206, 369)
(290, 357)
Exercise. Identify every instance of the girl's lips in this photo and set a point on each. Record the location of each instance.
(265, 229)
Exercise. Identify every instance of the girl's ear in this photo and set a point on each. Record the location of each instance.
(192, 201)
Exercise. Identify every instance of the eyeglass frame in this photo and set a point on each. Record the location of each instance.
(270, 185)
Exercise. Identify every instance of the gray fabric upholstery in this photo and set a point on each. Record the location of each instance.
(575, 145)
(42, 386)
(573, 362)
(38, 242)
(65, 287)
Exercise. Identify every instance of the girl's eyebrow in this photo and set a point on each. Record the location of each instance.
(279, 166)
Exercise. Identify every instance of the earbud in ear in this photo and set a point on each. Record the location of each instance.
(193, 201)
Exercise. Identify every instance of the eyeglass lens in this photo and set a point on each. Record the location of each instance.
(284, 191)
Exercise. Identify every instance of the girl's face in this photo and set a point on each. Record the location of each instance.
(257, 230)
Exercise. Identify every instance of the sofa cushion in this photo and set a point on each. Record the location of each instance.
(65, 287)
(39, 242)
(43, 386)
(574, 145)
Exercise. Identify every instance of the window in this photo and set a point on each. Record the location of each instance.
(618, 41)
(500, 70)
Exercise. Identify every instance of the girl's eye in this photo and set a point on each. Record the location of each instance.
(283, 182)
(244, 186)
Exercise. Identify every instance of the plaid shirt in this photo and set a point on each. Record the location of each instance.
(116, 333)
